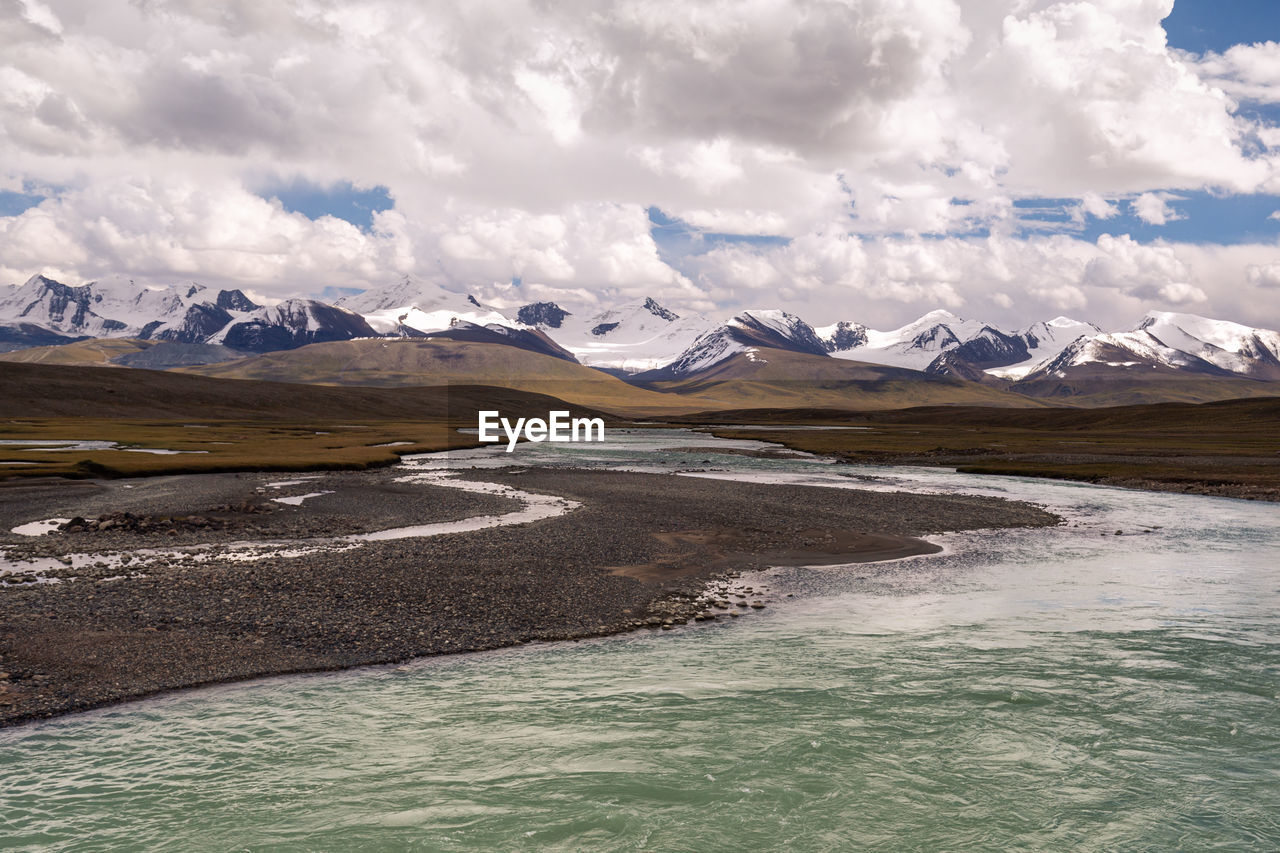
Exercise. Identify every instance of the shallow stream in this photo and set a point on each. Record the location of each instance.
(1038, 689)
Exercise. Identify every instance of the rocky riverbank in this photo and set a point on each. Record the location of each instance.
(641, 551)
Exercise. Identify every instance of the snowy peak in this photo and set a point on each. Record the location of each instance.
(1126, 350)
(942, 343)
(406, 290)
(410, 291)
(37, 281)
(234, 300)
(1230, 346)
(543, 315)
(631, 320)
(915, 345)
(1044, 342)
(44, 310)
(746, 332)
(640, 336)
(419, 306)
(291, 324)
(933, 332)
(841, 336)
(989, 348)
(534, 340)
(936, 317)
(195, 326)
(126, 302)
(776, 329)
(1171, 341)
(658, 311)
(203, 317)
(70, 310)
(1057, 332)
(707, 350)
(633, 337)
(118, 307)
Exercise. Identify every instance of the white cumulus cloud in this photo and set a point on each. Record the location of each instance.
(525, 140)
(1154, 209)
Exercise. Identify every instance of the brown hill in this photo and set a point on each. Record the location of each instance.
(1120, 389)
(396, 363)
(92, 351)
(57, 391)
(777, 378)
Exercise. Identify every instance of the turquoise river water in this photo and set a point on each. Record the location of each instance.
(1051, 689)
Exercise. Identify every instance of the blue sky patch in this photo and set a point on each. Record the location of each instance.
(678, 239)
(1201, 25)
(333, 293)
(1201, 217)
(1051, 211)
(13, 203)
(341, 200)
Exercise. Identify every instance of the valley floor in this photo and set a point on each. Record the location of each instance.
(638, 552)
(1227, 449)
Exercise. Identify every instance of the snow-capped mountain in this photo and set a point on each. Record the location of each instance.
(547, 315)
(533, 340)
(1171, 342)
(1044, 342)
(202, 320)
(1230, 346)
(632, 337)
(777, 329)
(118, 308)
(97, 309)
(841, 336)
(413, 305)
(292, 323)
(989, 348)
(746, 332)
(914, 345)
(642, 338)
(941, 343)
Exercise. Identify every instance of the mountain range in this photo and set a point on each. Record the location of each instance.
(185, 326)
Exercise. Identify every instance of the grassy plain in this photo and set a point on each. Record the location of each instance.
(1226, 448)
(210, 446)
(1230, 448)
(229, 425)
(95, 351)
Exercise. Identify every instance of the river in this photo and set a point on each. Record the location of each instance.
(1029, 689)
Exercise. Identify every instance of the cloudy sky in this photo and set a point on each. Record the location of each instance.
(859, 159)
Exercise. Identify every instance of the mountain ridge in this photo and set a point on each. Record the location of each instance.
(645, 342)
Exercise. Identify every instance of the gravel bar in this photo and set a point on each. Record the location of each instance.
(638, 553)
